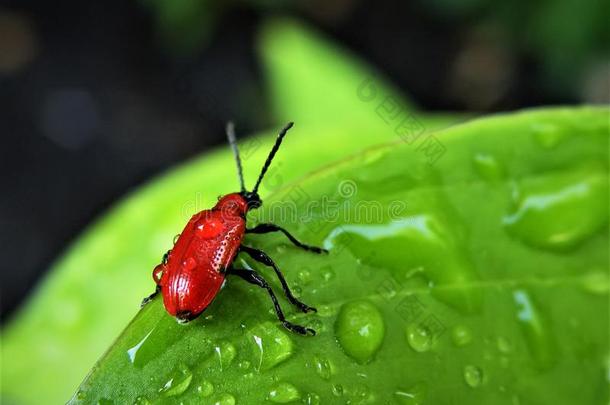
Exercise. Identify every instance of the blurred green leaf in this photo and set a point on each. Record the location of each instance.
(322, 86)
(313, 81)
(462, 280)
(184, 26)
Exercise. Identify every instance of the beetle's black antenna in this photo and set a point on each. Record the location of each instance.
(278, 141)
(233, 143)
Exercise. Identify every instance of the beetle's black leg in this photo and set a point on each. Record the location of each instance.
(267, 228)
(165, 257)
(150, 297)
(254, 278)
(262, 257)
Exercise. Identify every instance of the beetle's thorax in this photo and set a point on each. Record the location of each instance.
(232, 204)
(238, 203)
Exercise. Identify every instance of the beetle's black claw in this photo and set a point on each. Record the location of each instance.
(301, 330)
(317, 250)
(306, 308)
(150, 297)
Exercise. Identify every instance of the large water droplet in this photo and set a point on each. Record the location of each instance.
(488, 167)
(283, 393)
(461, 335)
(225, 353)
(179, 380)
(415, 395)
(360, 330)
(271, 345)
(559, 211)
(141, 401)
(536, 330)
(473, 376)
(419, 337)
(433, 247)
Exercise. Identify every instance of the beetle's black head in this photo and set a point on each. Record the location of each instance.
(252, 199)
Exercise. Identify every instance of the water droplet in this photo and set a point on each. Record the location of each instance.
(104, 401)
(461, 335)
(596, 282)
(504, 346)
(244, 365)
(312, 399)
(189, 264)
(559, 211)
(323, 367)
(548, 135)
(419, 337)
(225, 399)
(80, 395)
(304, 276)
(296, 290)
(488, 167)
(141, 401)
(415, 395)
(362, 393)
(328, 274)
(316, 325)
(325, 311)
(434, 247)
(205, 389)
(337, 390)
(283, 393)
(271, 345)
(536, 330)
(179, 380)
(360, 330)
(473, 376)
(225, 353)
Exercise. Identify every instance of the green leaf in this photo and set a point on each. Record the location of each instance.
(434, 290)
(94, 290)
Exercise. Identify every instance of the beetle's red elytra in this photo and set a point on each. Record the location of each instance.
(193, 271)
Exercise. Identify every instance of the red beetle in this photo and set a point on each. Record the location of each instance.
(191, 274)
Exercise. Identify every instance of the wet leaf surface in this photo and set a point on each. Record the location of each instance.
(432, 298)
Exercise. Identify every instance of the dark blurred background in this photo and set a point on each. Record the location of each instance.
(98, 97)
